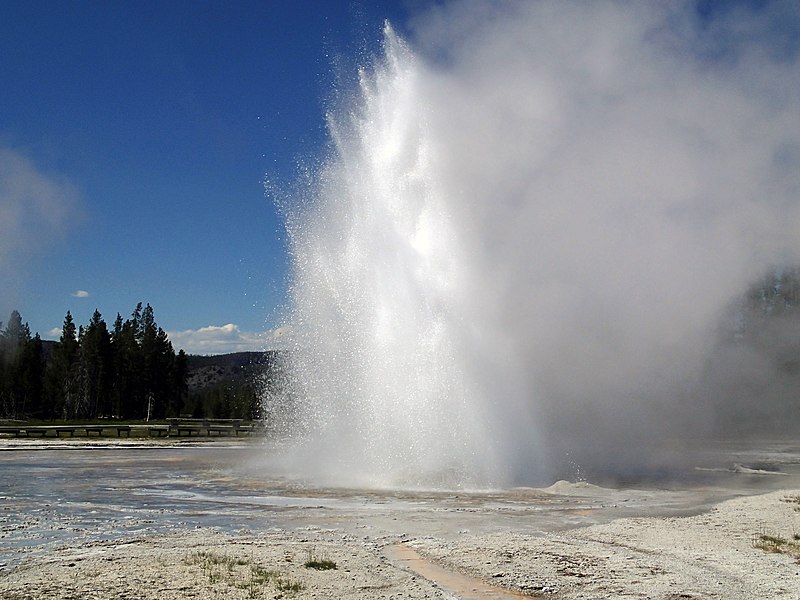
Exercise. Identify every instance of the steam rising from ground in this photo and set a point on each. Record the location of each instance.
(529, 230)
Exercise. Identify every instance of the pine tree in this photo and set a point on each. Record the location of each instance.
(158, 363)
(96, 368)
(3, 371)
(64, 382)
(13, 341)
(127, 367)
(31, 376)
(147, 347)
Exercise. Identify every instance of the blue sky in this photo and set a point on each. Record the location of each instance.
(135, 137)
(134, 141)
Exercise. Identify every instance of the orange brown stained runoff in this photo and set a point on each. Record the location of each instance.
(462, 586)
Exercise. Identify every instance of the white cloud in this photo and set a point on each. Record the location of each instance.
(222, 339)
(80, 294)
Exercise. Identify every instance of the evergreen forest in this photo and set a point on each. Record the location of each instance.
(129, 372)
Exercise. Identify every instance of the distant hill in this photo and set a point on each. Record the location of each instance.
(207, 371)
(237, 367)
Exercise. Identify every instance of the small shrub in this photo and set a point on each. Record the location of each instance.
(287, 585)
(776, 544)
(793, 500)
(259, 575)
(770, 543)
(320, 564)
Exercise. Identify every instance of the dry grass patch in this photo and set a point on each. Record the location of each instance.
(793, 500)
(241, 573)
(776, 544)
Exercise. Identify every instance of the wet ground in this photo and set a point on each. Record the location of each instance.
(52, 493)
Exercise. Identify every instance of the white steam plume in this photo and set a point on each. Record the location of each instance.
(35, 208)
(604, 178)
(621, 172)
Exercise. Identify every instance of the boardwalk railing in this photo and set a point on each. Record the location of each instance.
(209, 427)
(175, 428)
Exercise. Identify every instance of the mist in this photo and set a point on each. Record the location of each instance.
(623, 171)
(35, 210)
(605, 179)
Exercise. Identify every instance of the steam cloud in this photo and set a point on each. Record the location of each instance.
(624, 170)
(613, 175)
(34, 209)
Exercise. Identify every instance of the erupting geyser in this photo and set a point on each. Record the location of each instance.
(526, 236)
(381, 306)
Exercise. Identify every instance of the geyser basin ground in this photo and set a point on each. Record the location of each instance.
(141, 520)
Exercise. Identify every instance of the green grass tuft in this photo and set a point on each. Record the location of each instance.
(287, 585)
(320, 564)
(775, 544)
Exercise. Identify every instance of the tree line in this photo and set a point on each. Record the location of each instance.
(128, 372)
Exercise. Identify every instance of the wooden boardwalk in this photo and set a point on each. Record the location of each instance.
(175, 428)
(209, 427)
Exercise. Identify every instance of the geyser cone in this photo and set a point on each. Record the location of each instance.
(383, 394)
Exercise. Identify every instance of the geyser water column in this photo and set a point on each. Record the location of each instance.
(382, 390)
